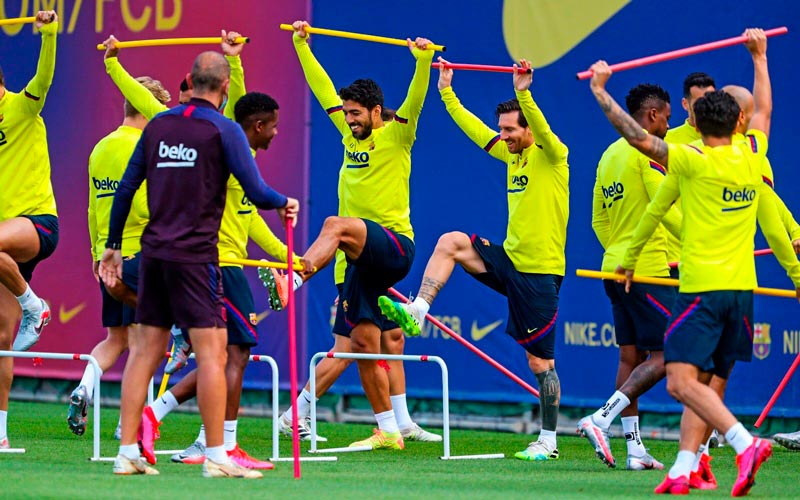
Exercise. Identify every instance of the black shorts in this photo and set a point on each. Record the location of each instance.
(385, 260)
(641, 316)
(115, 313)
(674, 273)
(188, 295)
(238, 299)
(47, 229)
(532, 298)
(711, 330)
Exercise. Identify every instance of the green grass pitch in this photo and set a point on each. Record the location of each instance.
(56, 466)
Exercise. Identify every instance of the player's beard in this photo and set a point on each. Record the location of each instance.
(366, 130)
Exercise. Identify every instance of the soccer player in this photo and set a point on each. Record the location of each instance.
(626, 182)
(187, 155)
(28, 217)
(529, 266)
(371, 238)
(695, 86)
(107, 163)
(257, 114)
(722, 194)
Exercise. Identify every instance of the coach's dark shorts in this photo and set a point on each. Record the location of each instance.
(238, 299)
(115, 313)
(641, 316)
(47, 229)
(385, 260)
(187, 295)
(532, 298)
(711, 330)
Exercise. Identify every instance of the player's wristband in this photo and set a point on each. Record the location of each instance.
(114, 246)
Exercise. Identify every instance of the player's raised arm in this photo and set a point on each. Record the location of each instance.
(236, 88)
(407, 115)
(36, 89)
(627, 127)
(762, 89)
(318, 80)
(552, 146)
(136, 94)
(480, 133)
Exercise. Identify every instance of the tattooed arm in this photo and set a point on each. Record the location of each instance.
(627, 127)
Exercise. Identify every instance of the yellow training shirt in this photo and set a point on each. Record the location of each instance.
(538, 186)
(722, 193)
(241, 220)
(373, 179)
(107, 163)
(683, 134)
(25, 187)
(626, 182)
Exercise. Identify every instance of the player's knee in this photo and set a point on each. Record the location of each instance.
(333, 225)
(676, 387)
(451, 243)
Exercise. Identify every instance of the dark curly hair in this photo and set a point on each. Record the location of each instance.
(716, 114)
(252, 104)
(363, 91)
(510, 106)
(697, 79)
(645, 95)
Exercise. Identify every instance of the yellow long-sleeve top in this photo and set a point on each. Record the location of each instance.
(240, 219)
(25, 187)
(788, 220)
(373, 179)
(107, 163)
(722, 193)
(683, 134)
(538, 186)
(626, 182)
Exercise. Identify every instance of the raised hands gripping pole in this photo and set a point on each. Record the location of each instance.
(481, 67)
(360, 36)
(17, 20)
(675, 54)
(163, 42)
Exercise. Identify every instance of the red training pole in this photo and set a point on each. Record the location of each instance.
(757, 253)
(481, 67)
(290, 310)
(675, 54)
(461, 340)
(778, 391)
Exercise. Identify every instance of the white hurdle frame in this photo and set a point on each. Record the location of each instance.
(95, 396)
(275, 408)
(388, 357)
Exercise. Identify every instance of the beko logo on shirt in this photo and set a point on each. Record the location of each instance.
(180, 154)
(613, 193)
(3, 140)
(358, 157)
(743, 195)
(105, 184)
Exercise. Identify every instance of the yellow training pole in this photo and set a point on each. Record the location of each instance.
(17, 20)
(360, 36)
(165, 378)
(586, 273)
(162, 42)
(260, 263)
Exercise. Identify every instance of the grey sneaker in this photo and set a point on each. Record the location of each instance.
(598, 438)
(647, 462)
(229, 469)
(713, 441)
(789, 440)
(183, 349)
(194, 454)
(76, 414)
(417, 433)
(126, 467)
(31, 327)
(538, 450)
(303, 429)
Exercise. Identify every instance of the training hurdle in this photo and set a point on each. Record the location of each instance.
(388, 357)
(95, 396)
(263, 358)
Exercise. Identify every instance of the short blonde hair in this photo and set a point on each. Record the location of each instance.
(155, 88)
